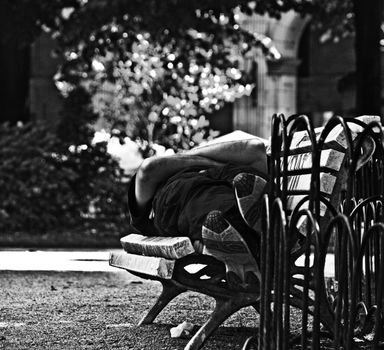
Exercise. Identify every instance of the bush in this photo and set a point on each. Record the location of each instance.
(45, 186)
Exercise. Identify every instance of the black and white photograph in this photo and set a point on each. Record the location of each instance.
(188, 174)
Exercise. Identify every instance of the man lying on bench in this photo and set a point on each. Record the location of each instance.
(212, 195)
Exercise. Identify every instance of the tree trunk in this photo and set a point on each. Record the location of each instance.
(368, 16)
(14, 71)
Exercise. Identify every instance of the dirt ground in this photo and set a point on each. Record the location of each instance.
(88, 310)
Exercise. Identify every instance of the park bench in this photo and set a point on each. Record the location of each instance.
(174, 262)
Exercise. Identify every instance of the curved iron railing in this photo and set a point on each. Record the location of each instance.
(349, 306)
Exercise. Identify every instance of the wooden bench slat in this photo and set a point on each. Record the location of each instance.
(165, 247)
(303, 182)
(293, 201)
(151, 266)
(330, 159)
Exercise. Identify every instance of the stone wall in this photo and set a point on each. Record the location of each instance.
(283, 88)
(276, 81)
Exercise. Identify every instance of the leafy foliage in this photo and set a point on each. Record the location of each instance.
(154, 68)
(45, 186)
(156, 88)
(70, 19)
(158, 94)
(334, 19)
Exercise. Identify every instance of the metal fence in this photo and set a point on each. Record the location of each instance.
(340, 312)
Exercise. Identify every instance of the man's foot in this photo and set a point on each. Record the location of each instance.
(223, 242)
(249, 191)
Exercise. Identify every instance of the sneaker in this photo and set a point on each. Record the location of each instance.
(249, 191)
(222, 241)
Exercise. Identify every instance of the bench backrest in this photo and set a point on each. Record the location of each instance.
(333, 171)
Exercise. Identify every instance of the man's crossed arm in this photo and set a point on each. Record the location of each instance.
(155, 170)
(243, 152)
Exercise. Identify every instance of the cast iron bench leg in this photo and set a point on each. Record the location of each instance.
(223, 309)
(169, 292)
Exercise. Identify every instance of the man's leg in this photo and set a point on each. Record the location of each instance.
(249, 192)
(248, 188)
(231, 234)
(222, 241)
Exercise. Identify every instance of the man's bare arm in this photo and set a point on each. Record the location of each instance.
(250, 152)
(153, 171)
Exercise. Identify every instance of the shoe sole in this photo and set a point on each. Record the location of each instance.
(249, 190)
(222, 241)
